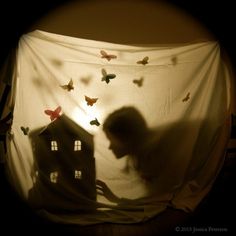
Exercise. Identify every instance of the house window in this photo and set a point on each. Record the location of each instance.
(77, 145)
(54, 177)
(54, 146)
(78, 174)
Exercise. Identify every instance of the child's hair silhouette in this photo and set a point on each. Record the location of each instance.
(127, 124)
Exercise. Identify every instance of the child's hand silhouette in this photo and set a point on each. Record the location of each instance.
(104, 190)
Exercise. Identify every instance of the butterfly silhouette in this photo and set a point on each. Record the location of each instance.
(85, 80)
(53, 114)
(174, 60)
(107, 56)
(186, 98)
(25, 130)
(139, 82)
(56, 62)
(90, 101)
(68, 86)
(94, 122)
(106, 77)
(144, 61)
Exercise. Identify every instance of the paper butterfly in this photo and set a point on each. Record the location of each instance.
(53, 114)
(186, 98)
(144, 61)
(25, 130)
(107, 56)
(94, 122)
(90, 101)
(68, 86)
(139, 82)
(106, 77)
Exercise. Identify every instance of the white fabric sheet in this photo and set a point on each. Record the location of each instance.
(184, 97)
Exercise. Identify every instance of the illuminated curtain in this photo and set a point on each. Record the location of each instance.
(182, 92)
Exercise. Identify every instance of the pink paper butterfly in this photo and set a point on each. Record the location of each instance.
(53, 114)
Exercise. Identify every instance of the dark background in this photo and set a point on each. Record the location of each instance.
(217, 16)
(17, 17)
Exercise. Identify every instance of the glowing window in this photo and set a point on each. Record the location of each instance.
(77, 145)
(54, 146)
(78, 174)
(54, 177)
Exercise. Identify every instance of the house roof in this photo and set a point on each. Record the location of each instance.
(64, 125)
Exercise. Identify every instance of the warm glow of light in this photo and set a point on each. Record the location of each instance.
(83, 118)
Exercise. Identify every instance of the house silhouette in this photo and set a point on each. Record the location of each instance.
(64, 167)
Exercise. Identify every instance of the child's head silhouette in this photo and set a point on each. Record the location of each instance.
(126, 129)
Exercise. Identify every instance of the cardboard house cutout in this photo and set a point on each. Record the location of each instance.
(64, 166)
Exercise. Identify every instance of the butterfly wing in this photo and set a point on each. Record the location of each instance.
(111, 76)
(48, 112)
(104, 73)
(58, 109)
(64, 86)
(108, 77)
(94, 122)
(25, 130)
(139, 82)
(53, 114)
(107, 56)
(56, 113)
(186, 98)
(112, 56)
(70, 85)
(144, 61)
(103, 53)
